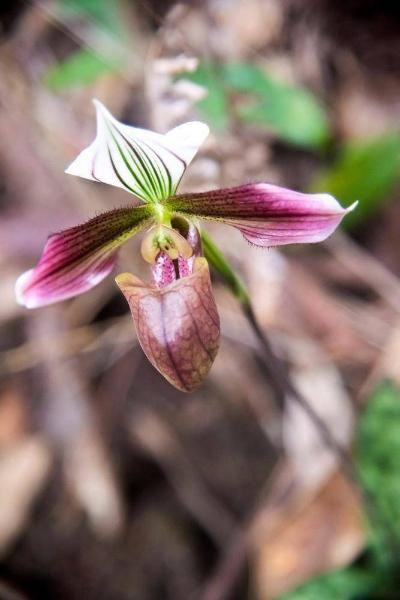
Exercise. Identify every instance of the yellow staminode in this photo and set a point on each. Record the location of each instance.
(164, 239)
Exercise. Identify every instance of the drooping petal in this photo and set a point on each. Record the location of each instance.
(77, 259)
(147, 164)
(177, 325)
(267, 215)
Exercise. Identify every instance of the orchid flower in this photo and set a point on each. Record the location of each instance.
(175, 315)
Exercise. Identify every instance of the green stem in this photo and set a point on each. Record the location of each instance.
(162, 214)
(216, 258)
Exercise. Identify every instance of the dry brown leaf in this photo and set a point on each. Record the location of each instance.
(24, 468)
(387, 365)
(320, 383)
(92, 481)
(322, 535)
(325, 318)
(13, 417)
(247, 25)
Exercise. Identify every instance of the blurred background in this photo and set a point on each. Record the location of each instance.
(115, 486)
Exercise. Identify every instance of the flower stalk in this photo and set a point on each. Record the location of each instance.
(216, 258)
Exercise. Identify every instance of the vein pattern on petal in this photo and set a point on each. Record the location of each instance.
(266, 215)
(147, 164)
(76, 259)
(177, 325)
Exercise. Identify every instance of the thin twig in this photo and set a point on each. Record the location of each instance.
(157, 438)
(8, 593)
(366, 267)
(227, 575)
(233, 562)
(284, 388)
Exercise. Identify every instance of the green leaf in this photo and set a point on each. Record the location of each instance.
(378, 464)
(215, 106)
(292, 112)
(350, 583)
(80, 69)
(366, 171)
(245, 77)
(377, 460)
(103, 13)
(217, 259)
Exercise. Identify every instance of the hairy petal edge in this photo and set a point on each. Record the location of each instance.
(267, 215)
(76, 259)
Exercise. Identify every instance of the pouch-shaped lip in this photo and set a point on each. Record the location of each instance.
(177, 325)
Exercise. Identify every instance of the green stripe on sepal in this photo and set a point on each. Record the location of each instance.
(147, 164)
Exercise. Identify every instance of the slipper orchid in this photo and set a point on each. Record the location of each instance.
(175, 316)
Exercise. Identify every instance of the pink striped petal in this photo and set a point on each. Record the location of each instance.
(267, 215)
(77, 259)
(177, 325)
